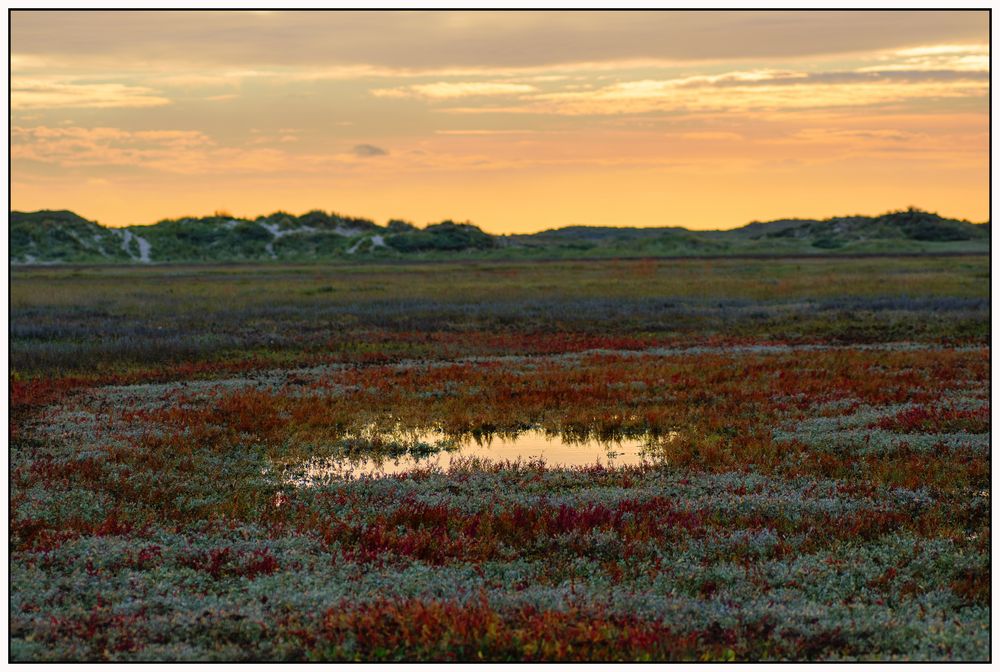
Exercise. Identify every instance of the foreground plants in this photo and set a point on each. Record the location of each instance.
(813, 500)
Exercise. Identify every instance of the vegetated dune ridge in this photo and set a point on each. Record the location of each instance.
(47, 237)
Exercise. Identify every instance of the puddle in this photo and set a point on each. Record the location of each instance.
(435, 449)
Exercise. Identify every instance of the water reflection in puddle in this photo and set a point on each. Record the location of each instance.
(556, 450)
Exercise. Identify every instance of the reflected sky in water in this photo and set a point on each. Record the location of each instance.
(555, 449)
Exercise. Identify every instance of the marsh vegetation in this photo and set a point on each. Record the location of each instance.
(791, 461)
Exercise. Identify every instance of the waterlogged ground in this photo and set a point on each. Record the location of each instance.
(433, 448)
(601, 461)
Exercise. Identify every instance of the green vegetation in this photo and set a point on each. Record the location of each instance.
(444, 237)
(84, 319)
(63, 237)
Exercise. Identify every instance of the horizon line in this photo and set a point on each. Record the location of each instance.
(225, 213)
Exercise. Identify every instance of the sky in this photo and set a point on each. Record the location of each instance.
(515, 121)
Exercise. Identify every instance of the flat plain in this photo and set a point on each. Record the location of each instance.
(791, 460)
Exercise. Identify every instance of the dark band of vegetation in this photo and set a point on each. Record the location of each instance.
(64, 237)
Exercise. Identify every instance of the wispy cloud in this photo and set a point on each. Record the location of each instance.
(169, 151)
(937, 57)
(485, 131)
(76, 146)
(444, 90)
(719, 136)
(757, 90)
(31, 93)
(177, 151)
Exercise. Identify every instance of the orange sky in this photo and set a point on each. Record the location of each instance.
(517, 121)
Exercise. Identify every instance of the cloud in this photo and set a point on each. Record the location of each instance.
(486, 131)
(168, 151)
(35, 93)
(366, 151)
(722, 136)
(752, 91)
(76, 146)
(490, 39)
(935, 57)
(445, 90)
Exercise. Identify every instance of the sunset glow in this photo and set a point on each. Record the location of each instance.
(516, 121)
